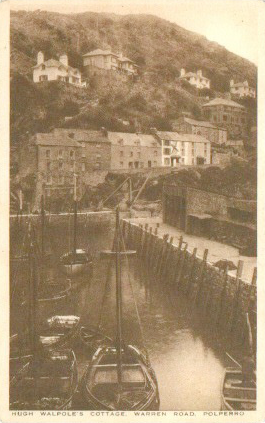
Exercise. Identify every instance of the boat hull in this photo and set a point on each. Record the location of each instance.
(139, 390)
(236, 395)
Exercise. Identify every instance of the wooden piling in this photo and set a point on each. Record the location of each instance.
(191, 273)
(222, 297)
(162, 259)
(176, 265)
(181, 266)
(201, 276)
(237, 294)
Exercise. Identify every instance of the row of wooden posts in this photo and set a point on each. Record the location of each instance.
(222, 297)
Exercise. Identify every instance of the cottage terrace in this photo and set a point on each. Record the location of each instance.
(133, 151)
(188, 125)
(187, 149)
(56, 70)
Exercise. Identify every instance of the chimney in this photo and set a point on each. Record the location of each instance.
(231, 83)
(40, 57)
(199, 73)
(64, 59)
(182, 72)
(104, 131)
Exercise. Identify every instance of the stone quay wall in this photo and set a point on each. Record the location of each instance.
(222, 298)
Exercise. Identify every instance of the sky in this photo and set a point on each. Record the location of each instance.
(231, 23)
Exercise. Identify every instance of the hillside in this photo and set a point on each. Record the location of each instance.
(159, 47)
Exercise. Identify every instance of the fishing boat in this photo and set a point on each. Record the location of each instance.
(48, 379)
(92, 338)
(120, 377)
(235, 394)
(76, 261)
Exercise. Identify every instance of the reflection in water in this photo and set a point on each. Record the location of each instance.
(183, 353)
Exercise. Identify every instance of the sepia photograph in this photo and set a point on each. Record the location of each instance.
(133, 282)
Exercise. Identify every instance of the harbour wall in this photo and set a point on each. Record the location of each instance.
(223, 299)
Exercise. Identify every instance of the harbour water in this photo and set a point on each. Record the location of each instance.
(185, 352)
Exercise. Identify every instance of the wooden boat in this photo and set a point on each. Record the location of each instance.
(235, 394)
(92, 338)
(77, 261)
(48, 383)
(119, 377)
(49, 379)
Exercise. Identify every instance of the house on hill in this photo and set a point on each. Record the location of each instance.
(227, 114)
(187, 125)
(107, 60)
(242, 89)
(196, 79)
(56, 70)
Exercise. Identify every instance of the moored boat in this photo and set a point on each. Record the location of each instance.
(237, 394)
(76, 262)
(119, 376)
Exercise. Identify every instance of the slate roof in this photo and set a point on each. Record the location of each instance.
(55, 63)
(223, 102)
(82, 135)
(175, 136)
(131, 139)
(99, 52)
(52, 139)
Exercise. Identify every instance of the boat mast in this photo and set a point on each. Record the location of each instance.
(42, 228)
(118, 300)
(75, 217)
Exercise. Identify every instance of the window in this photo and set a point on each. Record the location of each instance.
(42, 67)
(131, 154)
(83, 154)
(72, 165)
(60, 154)
(49, 179)
(130, 165)
(61, 180)
(149, 163)
(72, 154)
(183, 151)
(43, 78)
(166, 142)
(138, 154)
(121, 153)
(83, 167)
(60, 165)
(155, 153)
(48, 165)
(167, 151)
(121, 164)
(48, 154)
(225, 118)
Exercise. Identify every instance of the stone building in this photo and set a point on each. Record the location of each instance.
(242, 89)
(107, 60)
(186, 149)
(196, 79)
(187, 125)
(211, 215)
(227, 114)
(134, 151)
(56, 70)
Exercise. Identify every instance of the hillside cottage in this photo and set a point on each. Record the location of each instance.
(227, 114)
(187, 125)
(186, 149)
(242, 89)
(56, 70)
(107, 60)
(196, 79)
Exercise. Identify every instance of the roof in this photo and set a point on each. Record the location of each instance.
(52, 139)
(203, 123)
(188, 74)
(223, 102)
(55, 63)
(125, 59)
(100, 52)
(131, 139)
(82, 135)
(241, 84)
(175, 136)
